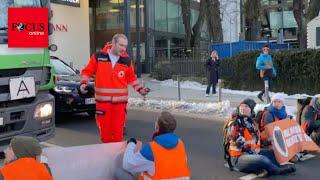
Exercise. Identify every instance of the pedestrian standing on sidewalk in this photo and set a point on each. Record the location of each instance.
(212, 66)
(267, 70)
(113, 71)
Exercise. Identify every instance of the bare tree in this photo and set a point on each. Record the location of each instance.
(314, 8)
(214, 20)
(186, 18)
(299, 9)
(195, 39)
(193, 34)
(252, 12)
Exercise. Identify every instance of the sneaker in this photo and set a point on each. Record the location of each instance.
(260, 97)
(207, 95)
(287, 169)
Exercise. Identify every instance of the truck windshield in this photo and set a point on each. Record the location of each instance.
(5, 4)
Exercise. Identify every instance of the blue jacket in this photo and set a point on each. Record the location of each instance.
(168, 141)
(273, 113)
(261, 62)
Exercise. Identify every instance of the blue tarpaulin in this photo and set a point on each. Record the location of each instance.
(226, 50)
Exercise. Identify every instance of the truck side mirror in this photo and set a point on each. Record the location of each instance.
(50, 28)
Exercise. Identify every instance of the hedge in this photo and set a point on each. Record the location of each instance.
(298, 71)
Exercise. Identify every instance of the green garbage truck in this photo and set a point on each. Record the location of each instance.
(26, 107)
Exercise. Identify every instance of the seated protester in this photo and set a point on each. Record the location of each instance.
(244, 145)
(276, 111)
(21, 160)
(310, 119)
(162, 158)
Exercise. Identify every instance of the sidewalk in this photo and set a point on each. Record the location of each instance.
(164, 92)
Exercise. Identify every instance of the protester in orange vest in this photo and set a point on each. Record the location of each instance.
(21, 161)
(276, 110)
(113, 71)
(162, 158)
(243, 147)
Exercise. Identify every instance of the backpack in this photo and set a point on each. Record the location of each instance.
(230, 121)
(301, 104)
(226, 143)
(259, 118)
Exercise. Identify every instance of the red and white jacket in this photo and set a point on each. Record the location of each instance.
(111, 84)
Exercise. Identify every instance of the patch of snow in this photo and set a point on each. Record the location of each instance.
(180, 106)
(197, 86)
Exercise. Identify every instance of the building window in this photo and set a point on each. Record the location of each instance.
(161, 21)
(318, 36)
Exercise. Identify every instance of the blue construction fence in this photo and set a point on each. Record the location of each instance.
(227, 50)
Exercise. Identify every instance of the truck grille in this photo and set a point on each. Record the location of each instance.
(4, 89)
(17, 126)
(12, 72)
(16, 115)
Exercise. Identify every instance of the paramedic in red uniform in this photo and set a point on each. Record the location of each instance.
(114, 71)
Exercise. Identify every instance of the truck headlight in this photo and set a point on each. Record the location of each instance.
(43, 110)
(64, 89)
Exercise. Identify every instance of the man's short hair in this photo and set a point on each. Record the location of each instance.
(166, 122)
(116, 37)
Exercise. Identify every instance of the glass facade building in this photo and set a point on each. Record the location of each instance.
(161, 26)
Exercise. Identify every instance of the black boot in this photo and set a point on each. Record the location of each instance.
(288, 168)
(260, 96)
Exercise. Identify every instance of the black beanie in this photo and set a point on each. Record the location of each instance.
(250, 102)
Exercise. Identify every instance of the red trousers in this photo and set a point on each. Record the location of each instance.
(110, 118)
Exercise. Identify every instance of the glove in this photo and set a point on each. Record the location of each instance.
(132, 140)
(240, 142)
(144, 91)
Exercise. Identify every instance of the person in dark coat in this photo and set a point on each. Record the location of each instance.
(212, 66)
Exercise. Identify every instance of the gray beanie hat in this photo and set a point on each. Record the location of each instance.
(24, 146)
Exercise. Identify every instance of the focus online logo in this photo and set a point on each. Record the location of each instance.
(33, 29)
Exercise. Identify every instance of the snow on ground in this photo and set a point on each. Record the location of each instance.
(197, 86)
(180, 106)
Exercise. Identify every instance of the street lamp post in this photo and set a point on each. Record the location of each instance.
(138, 58)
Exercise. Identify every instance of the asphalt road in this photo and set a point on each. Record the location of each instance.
(202, 138)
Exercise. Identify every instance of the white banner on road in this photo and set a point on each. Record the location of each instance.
(93, 162)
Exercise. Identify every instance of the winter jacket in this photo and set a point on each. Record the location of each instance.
(213, 67)
(261, 64)
(274, 113)
(143, 161)
(310, 119)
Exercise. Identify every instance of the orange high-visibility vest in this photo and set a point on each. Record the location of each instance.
(111, 83)
(234, 151)
(26, 169)
(169, 163)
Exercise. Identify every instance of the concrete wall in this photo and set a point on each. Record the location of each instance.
(71, 33)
